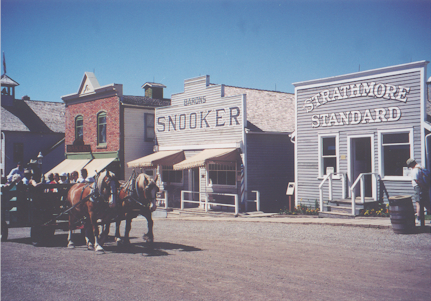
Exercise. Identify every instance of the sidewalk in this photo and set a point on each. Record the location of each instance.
(366, 222)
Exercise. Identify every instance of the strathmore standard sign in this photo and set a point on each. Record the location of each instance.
(370, 90)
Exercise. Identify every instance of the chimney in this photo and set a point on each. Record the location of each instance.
(153, 90)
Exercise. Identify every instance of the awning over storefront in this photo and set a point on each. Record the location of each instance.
(68, 166)
(159, 158)
(216, 155)
(97, 165)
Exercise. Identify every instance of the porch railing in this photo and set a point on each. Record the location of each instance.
(329, 178)
(207, 202)
(361, 181)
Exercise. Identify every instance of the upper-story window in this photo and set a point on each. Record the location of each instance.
(79, 127)
(101, 128)
(149, 127)
(18, 152)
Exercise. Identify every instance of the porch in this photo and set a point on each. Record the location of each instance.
(353, 198)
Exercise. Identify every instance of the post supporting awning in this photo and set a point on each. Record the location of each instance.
(216, 155)
(159, 158)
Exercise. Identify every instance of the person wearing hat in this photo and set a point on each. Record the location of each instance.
(63, 178)
(19, 169)
(421, 194)
(28, 178)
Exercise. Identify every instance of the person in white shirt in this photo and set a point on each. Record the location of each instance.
(421, 195)
(63, 178)
(84, 178)
(19, 169)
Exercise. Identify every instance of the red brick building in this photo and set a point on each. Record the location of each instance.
(105, 128)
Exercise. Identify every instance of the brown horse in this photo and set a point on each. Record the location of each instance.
(92, 201)
(137, 196)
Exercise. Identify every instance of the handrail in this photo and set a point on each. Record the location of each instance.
(330, 196)
(360, 179)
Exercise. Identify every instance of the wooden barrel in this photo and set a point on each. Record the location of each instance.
(402, 214)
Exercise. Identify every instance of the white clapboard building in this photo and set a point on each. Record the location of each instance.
(222, 144)
(355, 132)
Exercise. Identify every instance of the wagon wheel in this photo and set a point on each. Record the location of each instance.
(4, 231)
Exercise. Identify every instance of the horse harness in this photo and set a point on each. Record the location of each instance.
(131, 187)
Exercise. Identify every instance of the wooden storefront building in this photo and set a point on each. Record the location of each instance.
(355, 132)
(218, 141)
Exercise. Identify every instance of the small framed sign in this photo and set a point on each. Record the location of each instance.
(329, 170)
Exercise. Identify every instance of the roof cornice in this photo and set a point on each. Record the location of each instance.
(104, 91)
(355, 75)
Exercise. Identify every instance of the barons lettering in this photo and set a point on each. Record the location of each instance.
(376, 90)
(194, 101)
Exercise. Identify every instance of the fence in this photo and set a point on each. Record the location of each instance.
(207, 203)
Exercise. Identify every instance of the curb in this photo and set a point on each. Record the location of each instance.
(302, 220)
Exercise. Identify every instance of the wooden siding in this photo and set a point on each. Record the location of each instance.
(307, 137)
(270, 167)
(197, 124)
(134, 137)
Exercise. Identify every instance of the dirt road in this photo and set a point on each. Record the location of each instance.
(213, 260)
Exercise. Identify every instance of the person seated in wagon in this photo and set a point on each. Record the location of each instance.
(84, 177)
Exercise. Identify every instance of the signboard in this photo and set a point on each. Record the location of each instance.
(290, 188)
(362, 90)
(78, 148)
(201, 116)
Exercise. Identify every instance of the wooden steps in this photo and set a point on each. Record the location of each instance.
(342, 208)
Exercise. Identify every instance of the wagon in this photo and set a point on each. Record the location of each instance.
(42, 208)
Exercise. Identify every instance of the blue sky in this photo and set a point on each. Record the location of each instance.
(256, 44)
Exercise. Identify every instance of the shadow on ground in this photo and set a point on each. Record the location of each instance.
(150, 249)
(145, 248)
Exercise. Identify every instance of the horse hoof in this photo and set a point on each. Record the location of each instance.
(147, 239)
(71, 245)
(99, 250)
(119, 241)
(90, 246)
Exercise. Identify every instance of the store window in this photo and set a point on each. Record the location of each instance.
(169, 175)
(395, 149)
(79, 128)
(101, 128)
(222, 174)
(18, 153)
(149, 127)
(328, 152)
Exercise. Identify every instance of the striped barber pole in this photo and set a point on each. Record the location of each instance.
(242, 185)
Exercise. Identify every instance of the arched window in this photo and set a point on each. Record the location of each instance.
(101, 128)
(79, 127)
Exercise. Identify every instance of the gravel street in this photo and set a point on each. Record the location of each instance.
(223, 260)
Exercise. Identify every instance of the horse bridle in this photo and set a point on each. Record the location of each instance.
(146, 188)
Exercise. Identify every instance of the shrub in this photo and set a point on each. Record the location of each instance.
(302, 210)
(381, 210)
